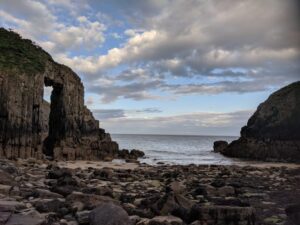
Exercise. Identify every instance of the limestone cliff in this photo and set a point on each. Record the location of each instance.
(71, 132)
(273, 132)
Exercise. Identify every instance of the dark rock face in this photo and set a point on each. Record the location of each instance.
(133, 154)
(219, 146)
(273, 131)
(73, 133)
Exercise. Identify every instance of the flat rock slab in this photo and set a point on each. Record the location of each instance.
(4, 216)
(6, 206)
(17, 219)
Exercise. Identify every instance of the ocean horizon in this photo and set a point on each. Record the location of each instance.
(175, 149)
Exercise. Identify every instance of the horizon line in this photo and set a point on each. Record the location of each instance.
(198, 135)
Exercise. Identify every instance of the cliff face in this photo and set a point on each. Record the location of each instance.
(73, 133)
(273, 131)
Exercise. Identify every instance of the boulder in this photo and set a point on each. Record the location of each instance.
(177, 187)
(134, 154)
(293, 213)
(83, 217)
(8, 217)
(162, 220)
(109, 214)
(79, 201)
(173, 204)
(17, 219)
(45, 206)
(56, 173)
(219, 146)
(103, 174)
(273, 131)
(6, 178)
(44, 193)
(6, 205)
(5, 189)
(222, 215)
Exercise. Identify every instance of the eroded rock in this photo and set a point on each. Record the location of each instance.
(273, 131)
(219, 146)
(71, 132)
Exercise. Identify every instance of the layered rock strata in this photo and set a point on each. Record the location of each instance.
(71, 132)
(273, 132)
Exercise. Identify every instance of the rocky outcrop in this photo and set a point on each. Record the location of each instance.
(71, 132)
(219, 146)
(273, 132)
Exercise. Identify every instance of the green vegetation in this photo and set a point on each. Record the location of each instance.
(20, 55)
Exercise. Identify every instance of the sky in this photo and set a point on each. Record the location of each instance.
(192, 67)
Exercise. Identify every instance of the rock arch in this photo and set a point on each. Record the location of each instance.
(73, 131)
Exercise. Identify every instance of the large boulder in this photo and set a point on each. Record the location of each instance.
(109, 214)
(219, 146)
(273, 131)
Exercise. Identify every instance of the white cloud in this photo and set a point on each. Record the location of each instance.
(35, 20)
(86, 34)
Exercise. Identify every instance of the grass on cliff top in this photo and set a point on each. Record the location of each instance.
(20, 55)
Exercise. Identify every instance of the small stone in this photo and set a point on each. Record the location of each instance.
(162, 220)
(4, 189)
(83, 217)
(134, 219)
(226, 191)
(177, 187)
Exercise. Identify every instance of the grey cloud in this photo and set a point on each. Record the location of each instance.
(217, 88)
(149, 110)
(134, 10)
(201, 123)
(259, 81)
(108, 113)
(136, 90)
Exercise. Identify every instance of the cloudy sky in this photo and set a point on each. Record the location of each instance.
(168, 66)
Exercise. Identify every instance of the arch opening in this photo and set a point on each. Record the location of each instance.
(56, 118)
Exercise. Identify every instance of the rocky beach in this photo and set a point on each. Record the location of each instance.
(36, 192)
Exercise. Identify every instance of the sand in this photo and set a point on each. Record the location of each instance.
(115, 164)
(121, 164)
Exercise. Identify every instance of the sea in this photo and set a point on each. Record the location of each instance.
(175, 149)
